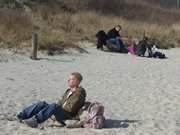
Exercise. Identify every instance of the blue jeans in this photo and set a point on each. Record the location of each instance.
(117, 42)
(42, 111)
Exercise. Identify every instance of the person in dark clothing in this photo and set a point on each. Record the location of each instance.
(101, 39)
(114, 37)
(142, 47)
(156, 53)
(114, 33)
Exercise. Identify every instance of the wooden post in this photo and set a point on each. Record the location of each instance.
(144, 34)
(178, 2)
(34, 46)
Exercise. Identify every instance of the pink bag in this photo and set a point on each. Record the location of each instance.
(95, 118)
(131, 50)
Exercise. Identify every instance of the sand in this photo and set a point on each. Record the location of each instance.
(141, 95)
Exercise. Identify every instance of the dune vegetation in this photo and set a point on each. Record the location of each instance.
(65, 22)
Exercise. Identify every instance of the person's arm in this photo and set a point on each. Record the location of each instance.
(125, 39)
(62, 99)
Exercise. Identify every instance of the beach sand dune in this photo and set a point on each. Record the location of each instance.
(141, 95)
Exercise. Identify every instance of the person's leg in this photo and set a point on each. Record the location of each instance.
(149, 51)
(112, 40)
(114, 44)
(48, 111)
(32, 110)
(61, 115)
(120, 43)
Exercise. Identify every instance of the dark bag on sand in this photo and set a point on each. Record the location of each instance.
(95, 118)
(141, 48)
(159, 55)
(101, 39)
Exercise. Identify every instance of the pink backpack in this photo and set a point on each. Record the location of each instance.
(95, 118)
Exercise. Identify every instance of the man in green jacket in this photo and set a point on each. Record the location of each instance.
(66, 108)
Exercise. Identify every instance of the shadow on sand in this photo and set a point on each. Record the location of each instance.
(119, 123)
(59, 51)
(56, 50)
(55, 60)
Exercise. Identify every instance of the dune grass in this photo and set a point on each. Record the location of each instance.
(67, 25)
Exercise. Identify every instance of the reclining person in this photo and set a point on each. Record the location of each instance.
(156, 53)
(114, 37)
(66, 108)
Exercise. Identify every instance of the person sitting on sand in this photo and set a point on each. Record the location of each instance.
(114, 37)
(66, 108)
(142, 46)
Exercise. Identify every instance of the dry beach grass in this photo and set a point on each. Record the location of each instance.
(66, 22)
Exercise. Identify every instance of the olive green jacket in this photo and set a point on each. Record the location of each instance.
(74, 102)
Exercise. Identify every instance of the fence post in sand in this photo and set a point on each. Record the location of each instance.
(144, 34)
(34, 46)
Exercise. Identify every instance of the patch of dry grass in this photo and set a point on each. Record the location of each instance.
(84, 25)
(15, 27)
(67, 25)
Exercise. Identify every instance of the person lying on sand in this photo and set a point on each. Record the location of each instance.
(66, 108)
(115, 38)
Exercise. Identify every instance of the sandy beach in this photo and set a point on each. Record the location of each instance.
(141, 95)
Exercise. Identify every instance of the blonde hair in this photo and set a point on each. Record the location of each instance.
(78, 76)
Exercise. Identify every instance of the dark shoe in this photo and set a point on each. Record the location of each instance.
(32, 122)
(19, 117)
